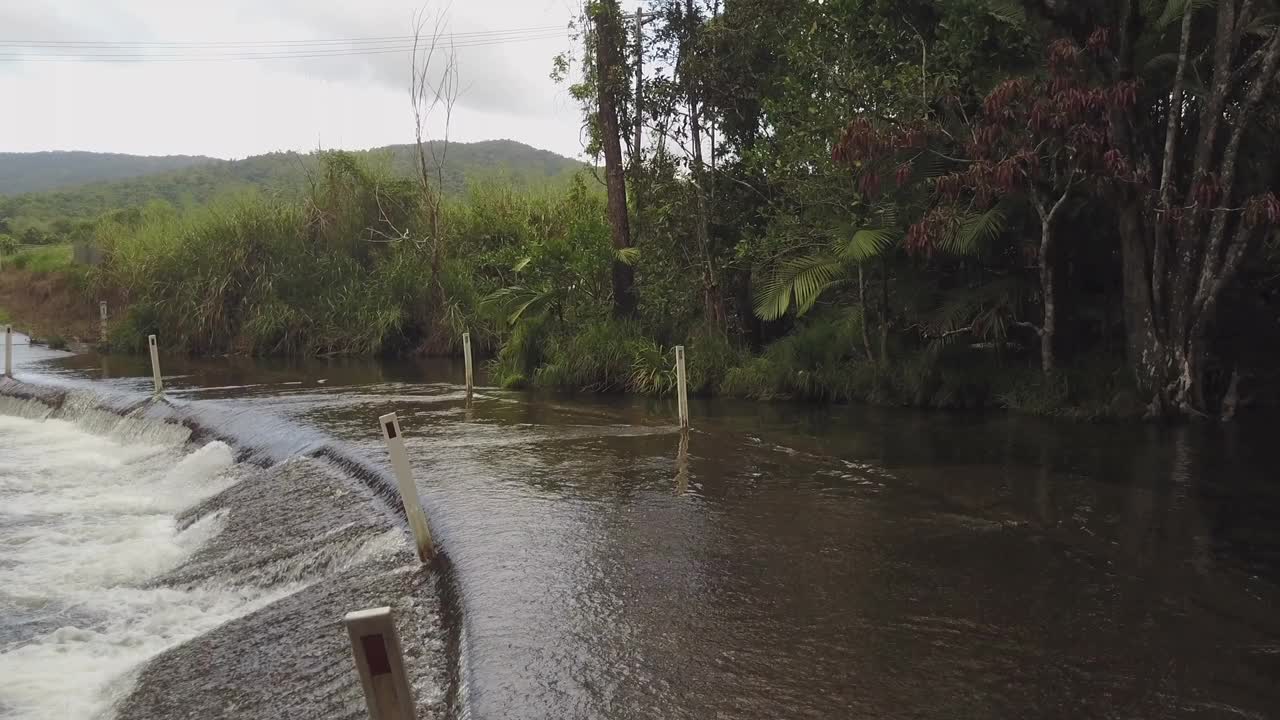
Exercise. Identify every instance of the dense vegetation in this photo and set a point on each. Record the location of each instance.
(1061, 208)
(63, 215)
(22, 173)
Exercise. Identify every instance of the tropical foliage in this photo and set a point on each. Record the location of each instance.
(1061, 208)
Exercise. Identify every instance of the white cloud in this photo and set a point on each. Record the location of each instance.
(238, 108)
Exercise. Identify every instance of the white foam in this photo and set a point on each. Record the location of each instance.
(85, 521)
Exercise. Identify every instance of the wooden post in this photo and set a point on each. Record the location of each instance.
(682, 387)
(155, 364)
(380, 664)
(102, 321)
(408, 489)
(466, 355)
(8, 351)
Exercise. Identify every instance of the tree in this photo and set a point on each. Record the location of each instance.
(33, 236)
(1041, 138)
(1195, 210)
(433, 90)
(610, 85)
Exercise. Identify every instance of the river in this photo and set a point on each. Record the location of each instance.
(779, 561)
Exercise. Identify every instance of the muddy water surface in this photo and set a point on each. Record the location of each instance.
(799, 562)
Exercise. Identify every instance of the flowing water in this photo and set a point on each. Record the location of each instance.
(779, 561)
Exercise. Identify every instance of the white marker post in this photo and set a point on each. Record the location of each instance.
(8, 351)
(408, 490)
(155, 364)
(682, 387)
(102, 321)
(380, 663)
(466, 355)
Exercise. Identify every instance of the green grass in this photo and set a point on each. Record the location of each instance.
(44, 258)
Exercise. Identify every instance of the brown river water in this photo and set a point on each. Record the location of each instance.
(788, 560)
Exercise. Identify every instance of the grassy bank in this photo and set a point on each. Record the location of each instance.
(364, 267)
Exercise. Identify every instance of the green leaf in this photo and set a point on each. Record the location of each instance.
(804, 278)
(976, 231)
(1008, 11)
(1175, 9)
(518, 300)
(868, 243)
(627, 256)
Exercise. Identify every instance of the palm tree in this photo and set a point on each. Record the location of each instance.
(800, 281)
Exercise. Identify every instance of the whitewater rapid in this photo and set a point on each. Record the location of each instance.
(85, 521)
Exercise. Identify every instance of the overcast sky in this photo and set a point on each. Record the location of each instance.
(233, 109)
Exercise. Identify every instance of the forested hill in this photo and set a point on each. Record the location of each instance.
(282, 174)
(39, 171)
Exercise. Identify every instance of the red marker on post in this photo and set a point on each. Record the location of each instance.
(380, 664)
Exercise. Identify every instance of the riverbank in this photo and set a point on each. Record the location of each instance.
(816, 363)
(53, 305)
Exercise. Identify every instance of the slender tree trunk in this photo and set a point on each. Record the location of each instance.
(608, 74)
(884, 310)
(1142, 347)
(866, 318)
(1049, 324)
(713, 303)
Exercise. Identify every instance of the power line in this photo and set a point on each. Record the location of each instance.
(203, 44)
(234, 54)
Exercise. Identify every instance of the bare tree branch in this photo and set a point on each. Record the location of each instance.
(430, 92)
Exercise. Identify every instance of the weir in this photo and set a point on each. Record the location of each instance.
(260, 553)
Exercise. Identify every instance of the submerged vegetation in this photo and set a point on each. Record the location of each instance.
(931, 204)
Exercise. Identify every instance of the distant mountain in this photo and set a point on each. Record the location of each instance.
(281, 174)
(35, 172)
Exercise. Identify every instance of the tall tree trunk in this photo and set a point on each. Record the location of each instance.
(866, 318)
(1142, 347)
(608, 75)
(713, 303)
(1049, 325)
(1049, 322)
(884, 309)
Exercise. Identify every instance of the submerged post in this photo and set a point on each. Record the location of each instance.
(682, 463)
(682, 387)
(102, 321)
(380, 664)
(8, 351)
(466, 356)
(155, 364)
(408, 490)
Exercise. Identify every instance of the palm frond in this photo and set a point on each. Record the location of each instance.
(1162, 61)
(517, 301)
(1009, 11)
(803, 278)
(975, 231)
(980, 310)
(627, 256)
(867, 243)
(933, 165)
(1175, 9)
